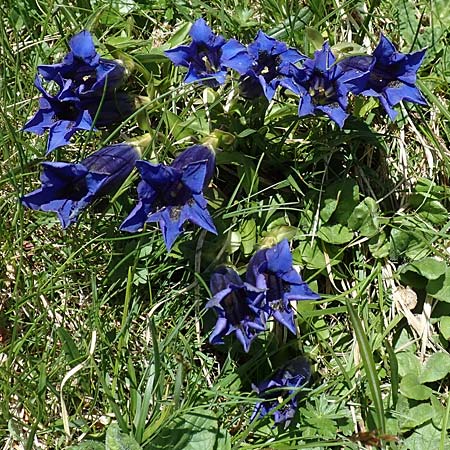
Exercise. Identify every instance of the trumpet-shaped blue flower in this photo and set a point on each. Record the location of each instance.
(202, 57)
(68, 189)
(237, 305)
(172, 195)
(280, 392)
(390, 75)
(322, 85)
(261, 64)
(66, 112)
(85, 68)
(271, 269)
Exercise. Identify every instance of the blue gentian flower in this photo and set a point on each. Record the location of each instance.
(237, 305)
(390, 75)
(280, 391)
(322, 85)
(68, 189)
(172, 195)
(203, 57)
(271, 269)
(66, 112)
(261, 65)
(85, 68)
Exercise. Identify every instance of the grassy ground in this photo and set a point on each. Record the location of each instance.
(99, 327)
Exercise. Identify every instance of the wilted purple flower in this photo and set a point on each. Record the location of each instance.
(237, 305)
(390, 75)
(261, 65)
(203, 57)
(322, 85)
(280, 391)
(68, 189)
(271, 269)
(173, 194)
(66, 112)
(85, 68)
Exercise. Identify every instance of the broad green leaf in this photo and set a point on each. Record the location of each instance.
(346, 194)
(434, 212)
(416, 416)
(410, 387)
(440, 287)
(335, 234)
(116, 440)
(247, 231)
(444, 327)
(312, 256)
(180, 35)
(329, 206)
(314, 37)
(429, 268)
(399, 242)
(364, 217)
(379, 246)
(88, 445)
(408, 363)
(192, 431)
(426, 438)
(436, 367)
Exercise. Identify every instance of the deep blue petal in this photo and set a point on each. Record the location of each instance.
(180, 56)
(405, 92)
(236, 57)
(201, 32)
(200, 216)
(279, 258)
(83, 48)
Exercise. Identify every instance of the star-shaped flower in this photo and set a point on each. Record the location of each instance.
(237, 305)
(271, 269)
(68, 189)
(280, 391)
(261, 65)
(390, 75)
(202, 57)
(66, 112)
(322, 85)
(85, 68)
(172, 195)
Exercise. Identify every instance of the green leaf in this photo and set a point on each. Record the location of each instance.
(369, 367)
(399, 242)
(444, 327)
(69, 347)
(364, 217)
(340, 199)
(88, 445)
(435, 368)
(116, 440)
(440, 287)
(192, 431)
(312, 256)
(408, 363)
(434, 212)
(416, 416)
(314, 37)
(410, 387)
(379, 246)
(180, 35)
(247, 231)
(426, 437)
(329, 206)
(429, 268)
(335, 234)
